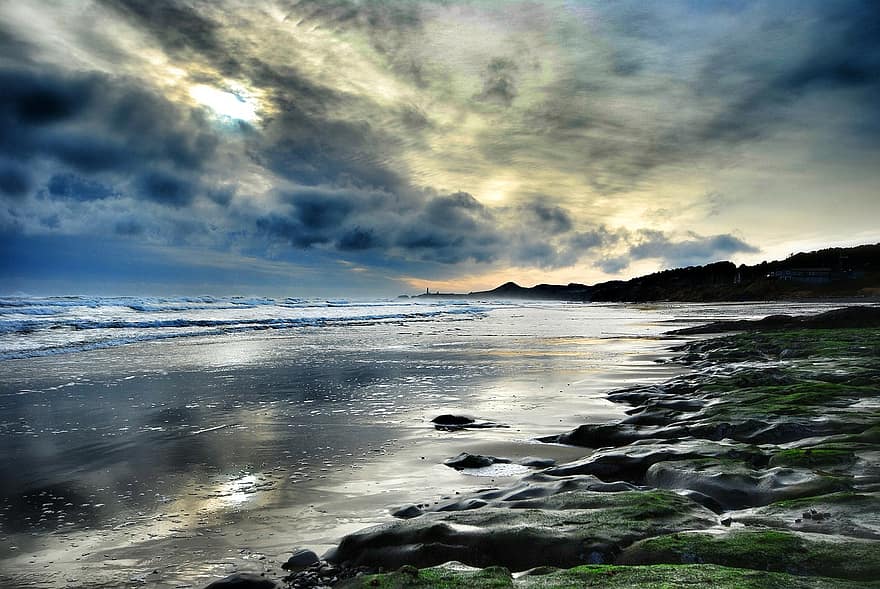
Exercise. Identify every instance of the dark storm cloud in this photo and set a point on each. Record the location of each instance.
(371, 115)
(178, 27)
(73, 186)
(93, 124)
(302, 140)
(739, 73)
(357, 239)
(451, 229)
(613, 265)
(389, 26)
(695, 249)
(13, 49)
(499, 82)
(310, 150)
(166, 188)
(128, 227)
(15, 180)
(551, 218)
(840, 56)
(445, 228)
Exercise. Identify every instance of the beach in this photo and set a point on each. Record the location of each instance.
(172, 461)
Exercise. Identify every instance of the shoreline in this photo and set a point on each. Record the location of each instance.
(742, 471)
(351, 500)
(277, 538)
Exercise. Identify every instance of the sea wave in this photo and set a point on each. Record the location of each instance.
(41, 326)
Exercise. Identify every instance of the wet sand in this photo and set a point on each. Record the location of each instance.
(173, 463)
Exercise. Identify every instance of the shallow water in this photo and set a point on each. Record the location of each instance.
(194, 455)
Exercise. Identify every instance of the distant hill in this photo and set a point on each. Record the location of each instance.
(827, 273)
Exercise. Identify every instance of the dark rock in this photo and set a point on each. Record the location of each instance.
(449, 422)
(536, 462)
(770, 550)
(780, 430)
(632, 462)
(652, 417)
(301, 558)
(463, 505)
(454, 576)
(847, 514)
(837, 319)
(705, 501)
(578, 524)
(448, 419)
(465, 460)
(735, 486)
(606, 434)
(244, 581)
(407, 512)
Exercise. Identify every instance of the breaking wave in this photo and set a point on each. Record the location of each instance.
(40, 326)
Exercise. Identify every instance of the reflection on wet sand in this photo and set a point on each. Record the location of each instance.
(163, 464)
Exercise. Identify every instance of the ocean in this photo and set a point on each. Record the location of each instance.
(163, 441)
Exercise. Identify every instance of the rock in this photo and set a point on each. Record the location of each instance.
(632, 462)
(706, 502)
(536, 462)
(301, 558)
(836, 319)
(855, 515)
(454, 576)
(534, 486)
(463, 505)
(733, 485)
(778, 430)
(407, 512)
(768, 550)
(465, 460)
(572, 527)
(449, 422)
(244, 581)
(451, 574)
(651, 416)
(448, 419)
(601, 435)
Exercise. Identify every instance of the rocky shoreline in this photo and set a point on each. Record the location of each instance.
(758, 468)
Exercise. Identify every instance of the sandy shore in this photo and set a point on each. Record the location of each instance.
(193, 524)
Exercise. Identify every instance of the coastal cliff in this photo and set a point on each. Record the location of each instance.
(828, 273)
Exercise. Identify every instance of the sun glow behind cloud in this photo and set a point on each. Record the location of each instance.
(454, 145)
(234, 105)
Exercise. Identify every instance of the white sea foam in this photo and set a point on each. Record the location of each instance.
(39, 326)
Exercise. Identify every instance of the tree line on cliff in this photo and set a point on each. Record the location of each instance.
(832, 272)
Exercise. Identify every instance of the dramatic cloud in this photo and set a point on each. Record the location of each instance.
(440, 139)
(692, 250)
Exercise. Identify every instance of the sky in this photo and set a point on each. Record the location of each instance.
(362, 148)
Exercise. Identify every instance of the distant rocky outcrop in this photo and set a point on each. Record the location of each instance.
(838, 318)
(828, 273)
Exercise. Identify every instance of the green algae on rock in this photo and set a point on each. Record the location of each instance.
(564, 530)
(771, 550)
(598, 577)
(735, 485)
(855, 515)
(777, 431)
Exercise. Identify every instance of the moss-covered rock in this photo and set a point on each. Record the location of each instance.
(828, 458)
(770, 550)
(848, 514)
(680, 576)
(600, 577)
(734, 485)
(782, 428)
(632, 462)
(447, 576)
(572, 528)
